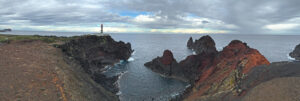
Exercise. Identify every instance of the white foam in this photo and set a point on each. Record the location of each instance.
(133, 53)
(194, 53)
(290, 58)
(174, 94)
(130, 59)
(118, 81)
(119, 93)
(187, 85)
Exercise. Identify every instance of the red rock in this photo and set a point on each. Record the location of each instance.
(167, 57)
(237, 55)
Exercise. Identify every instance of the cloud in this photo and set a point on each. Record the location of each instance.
(234, 16)
(244, 16)
(282, 26)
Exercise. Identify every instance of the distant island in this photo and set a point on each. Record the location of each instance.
(6, 30)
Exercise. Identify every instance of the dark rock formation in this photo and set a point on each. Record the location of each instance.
(258, 77)
(5, 30)
(190, 43)
(94, 53)
(226, 71)
(296, 53)
(205, 44)
(164, 64)
(210, 72)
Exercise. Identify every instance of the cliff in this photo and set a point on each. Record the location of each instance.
(33, 68)
(94, 53)
(211, 72)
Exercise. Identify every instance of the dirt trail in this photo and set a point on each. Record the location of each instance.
(27, 71)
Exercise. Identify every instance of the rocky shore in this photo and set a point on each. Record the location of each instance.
(296, 53)
(233, 74)
(59, 68)
(94, 53)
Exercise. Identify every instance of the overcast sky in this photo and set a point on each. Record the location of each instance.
(153, 16)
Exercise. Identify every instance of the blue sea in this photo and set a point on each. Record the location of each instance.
(138, 83)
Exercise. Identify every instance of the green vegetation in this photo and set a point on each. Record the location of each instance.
(47, 39)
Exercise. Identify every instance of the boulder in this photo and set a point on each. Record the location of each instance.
(296, 53)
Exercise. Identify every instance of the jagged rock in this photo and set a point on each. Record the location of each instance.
(212, 73)
(190, 43)
(226, 71)
(164, 64)
(296, 53)
(205, 44)
(94, 53)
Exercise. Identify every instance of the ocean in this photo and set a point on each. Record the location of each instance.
(138, 83)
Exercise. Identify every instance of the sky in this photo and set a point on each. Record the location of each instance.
(153, 16)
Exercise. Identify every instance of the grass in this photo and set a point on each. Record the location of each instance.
(48, 39)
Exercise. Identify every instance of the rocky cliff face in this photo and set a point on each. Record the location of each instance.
(296, 53)
(226, 72)
(94, 53)
(211, 72)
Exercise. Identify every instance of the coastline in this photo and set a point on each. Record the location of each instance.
(75, 83)
(232, 74)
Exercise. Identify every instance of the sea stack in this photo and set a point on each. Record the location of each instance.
(296, 53)
(205, 44)
(190, 43)
(164, 64)
(211, 72)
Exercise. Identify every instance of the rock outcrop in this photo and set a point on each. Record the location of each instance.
(274, 82)
(190, 43)
(205, 44)
(296, 53)
(211, 72)
(164, 64)
(94, 53)
(226, 72)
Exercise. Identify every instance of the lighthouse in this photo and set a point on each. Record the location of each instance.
(101, 28)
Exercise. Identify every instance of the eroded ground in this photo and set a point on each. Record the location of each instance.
(27, 71)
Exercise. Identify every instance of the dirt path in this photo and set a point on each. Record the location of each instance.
(27, 71)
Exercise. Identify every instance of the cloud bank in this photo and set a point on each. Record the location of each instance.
(153, 16)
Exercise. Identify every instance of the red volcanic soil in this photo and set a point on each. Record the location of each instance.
(236, 57)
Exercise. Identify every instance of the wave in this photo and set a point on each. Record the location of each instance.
(290, 58)
(118, 81)
(130, 59)
(133, 53)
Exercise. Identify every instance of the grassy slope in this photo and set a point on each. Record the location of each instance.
(48, 39)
